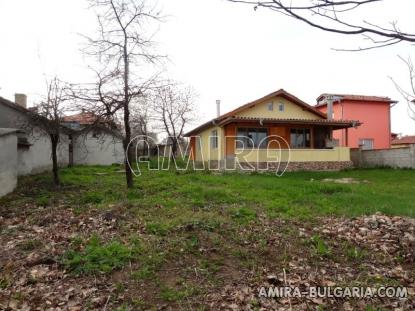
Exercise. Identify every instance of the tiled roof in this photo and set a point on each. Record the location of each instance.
(83, 118)
(280, 92)
(342, 123)
(404, 140)
(356, 98)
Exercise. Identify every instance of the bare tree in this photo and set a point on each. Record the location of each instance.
(174, 108)
(334, 16)
(408, 93)
(47, 117)
(122, 45)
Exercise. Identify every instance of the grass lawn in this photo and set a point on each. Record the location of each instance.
(182, 238)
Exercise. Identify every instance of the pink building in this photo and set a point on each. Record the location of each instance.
(372, 111)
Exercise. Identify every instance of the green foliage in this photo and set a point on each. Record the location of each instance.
(97, 257)
(92, 198)
(158, 228)
(43, 200)
(319, 247)
(243, 214)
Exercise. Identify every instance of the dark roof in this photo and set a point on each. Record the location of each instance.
(7, 131)
(356, 98)
(13, 105)
(334, 123)
(280, 92)
(404, 140)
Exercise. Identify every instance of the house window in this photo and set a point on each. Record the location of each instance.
(252, 138)
(214, 139)
(270, 106)
(281, 107)
(300, 138)
(366, 143)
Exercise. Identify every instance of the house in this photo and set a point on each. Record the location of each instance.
(33, 146)
(372, 111)
(274, 130)
(93, 142)
(403, 142)
(78, 145)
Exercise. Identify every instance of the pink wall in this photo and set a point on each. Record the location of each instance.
(375, 117)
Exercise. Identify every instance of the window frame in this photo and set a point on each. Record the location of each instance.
(304, 132)
(270, 106)
(281, 105)
(246, 129)
(214, 139)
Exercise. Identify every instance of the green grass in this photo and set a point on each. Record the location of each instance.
(97, 257)
(300, 194)
(207, 229)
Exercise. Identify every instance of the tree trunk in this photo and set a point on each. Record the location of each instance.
(174, 148)
(55, 140)
(128, 172)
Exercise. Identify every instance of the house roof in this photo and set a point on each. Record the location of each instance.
(83, 118)
(280, 92)
(7, 131)
(355, 98)
(338, 124)
(13, 105)
(404, 140)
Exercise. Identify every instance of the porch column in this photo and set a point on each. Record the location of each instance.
(347, 137)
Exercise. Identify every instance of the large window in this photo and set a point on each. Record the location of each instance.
(214, 139)
(300, 138)
(252, 138)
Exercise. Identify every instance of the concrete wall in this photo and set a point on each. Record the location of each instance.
(97, 149)
(397, 158)
(8, 163)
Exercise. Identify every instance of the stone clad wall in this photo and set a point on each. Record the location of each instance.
(396, 158)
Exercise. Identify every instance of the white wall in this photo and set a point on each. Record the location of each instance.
(8, 163)
(104, 149)
(38, 157)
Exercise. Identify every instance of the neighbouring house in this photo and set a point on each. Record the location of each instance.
(33, 146)
(98, 145)
(372, 111)
(403, 142)
(93, 142)
(278, 130)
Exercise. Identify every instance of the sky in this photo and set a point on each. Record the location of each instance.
(223, 50)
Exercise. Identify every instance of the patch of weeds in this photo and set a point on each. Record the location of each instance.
(30, 245)
(97, 257)
(4, 283)
(332, 189)
(171, 294)
(354, 252)
(43, 200)
(149, 266)
(157, 228)
(92, 198)
(372, 308)
(319, 247)
(243, 214)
